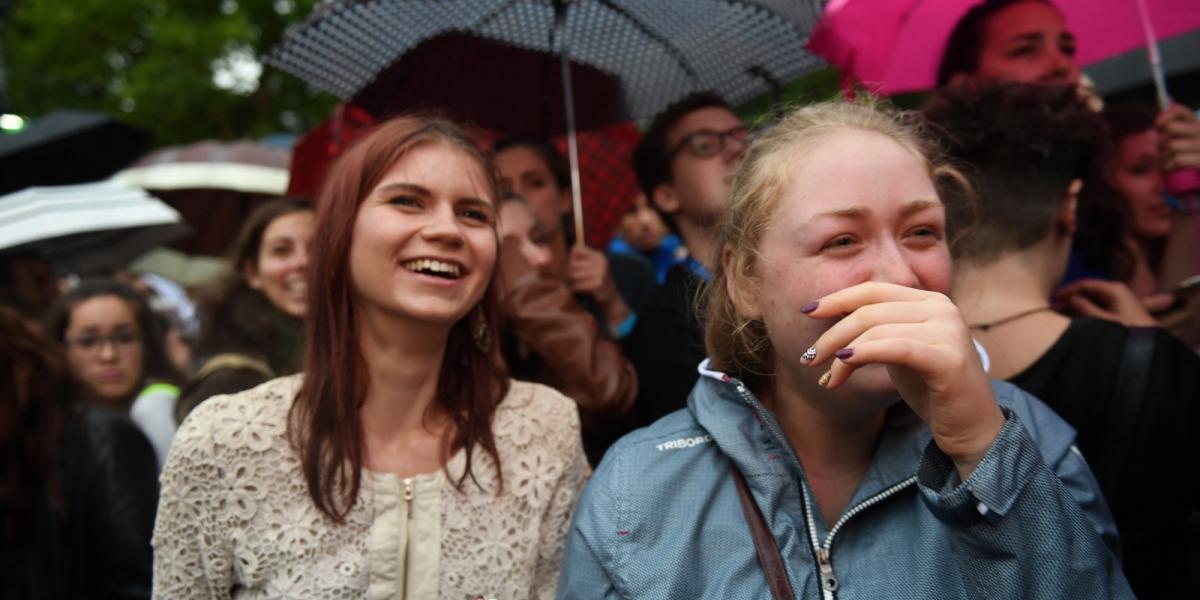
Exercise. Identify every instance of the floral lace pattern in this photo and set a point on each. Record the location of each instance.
(235, 518)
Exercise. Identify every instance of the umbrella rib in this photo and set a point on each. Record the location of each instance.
(492, 14)
(666, 43)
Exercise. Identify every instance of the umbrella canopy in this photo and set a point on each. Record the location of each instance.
(1127, 71)
(86, 228)
(606, 175)
(502, 64)
(524, 87)
(315, 150)
(631, 58)
(894, 46)
(242, 166)
(68, 146)
(214, 185)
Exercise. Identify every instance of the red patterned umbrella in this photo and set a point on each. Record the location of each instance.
(607, 180)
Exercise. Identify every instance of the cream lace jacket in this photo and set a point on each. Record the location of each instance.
(235, 518)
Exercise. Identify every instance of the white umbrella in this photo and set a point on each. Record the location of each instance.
(225, 176)
(87, 227)
(237, 166)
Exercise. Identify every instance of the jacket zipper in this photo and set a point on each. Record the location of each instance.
(824, 552)
(408, 501)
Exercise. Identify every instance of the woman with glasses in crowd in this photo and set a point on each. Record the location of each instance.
(402, 461)
(115, 349)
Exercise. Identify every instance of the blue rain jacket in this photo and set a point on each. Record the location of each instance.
(661, 517)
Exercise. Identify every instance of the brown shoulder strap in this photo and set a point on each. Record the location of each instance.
(764, 542)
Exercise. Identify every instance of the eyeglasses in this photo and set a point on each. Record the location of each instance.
(706, 142)
(122, 340)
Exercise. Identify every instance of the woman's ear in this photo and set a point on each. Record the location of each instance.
(250, 273)
(1065, 218)
(739, 285)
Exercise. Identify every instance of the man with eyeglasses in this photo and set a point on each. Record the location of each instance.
(685, 164)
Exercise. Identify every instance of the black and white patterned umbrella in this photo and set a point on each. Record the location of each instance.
(496, 63)
(657, 50)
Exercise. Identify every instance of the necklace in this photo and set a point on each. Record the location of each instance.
(1010, 318)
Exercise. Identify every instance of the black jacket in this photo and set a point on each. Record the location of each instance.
(1157, 490)
(666, 346)
(98, 544)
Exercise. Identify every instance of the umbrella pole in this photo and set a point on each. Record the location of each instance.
(1156, 70)
(572, 146)
(1182, 183)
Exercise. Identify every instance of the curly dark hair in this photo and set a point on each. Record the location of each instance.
(1021, 146)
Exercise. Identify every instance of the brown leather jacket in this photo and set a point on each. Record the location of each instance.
(577, 358)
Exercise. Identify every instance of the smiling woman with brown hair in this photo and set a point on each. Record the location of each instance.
(402, 462)
(252, 318)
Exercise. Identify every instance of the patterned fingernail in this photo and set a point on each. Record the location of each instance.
(811, 306)
(809, 355)
(824, 380)
(844, 353)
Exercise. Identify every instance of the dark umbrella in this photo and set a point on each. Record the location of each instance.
(68, 146)
(524, 87)
(502, 63)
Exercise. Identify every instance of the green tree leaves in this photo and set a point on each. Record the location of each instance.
(184, 69)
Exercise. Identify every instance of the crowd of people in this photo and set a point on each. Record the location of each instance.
(850, 352)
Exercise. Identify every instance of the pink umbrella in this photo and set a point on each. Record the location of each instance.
(894, 46)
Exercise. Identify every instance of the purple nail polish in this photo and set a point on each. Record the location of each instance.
(811, 306)
(844, 353)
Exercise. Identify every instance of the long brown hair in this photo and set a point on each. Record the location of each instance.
(324, 422)
(35, 397)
